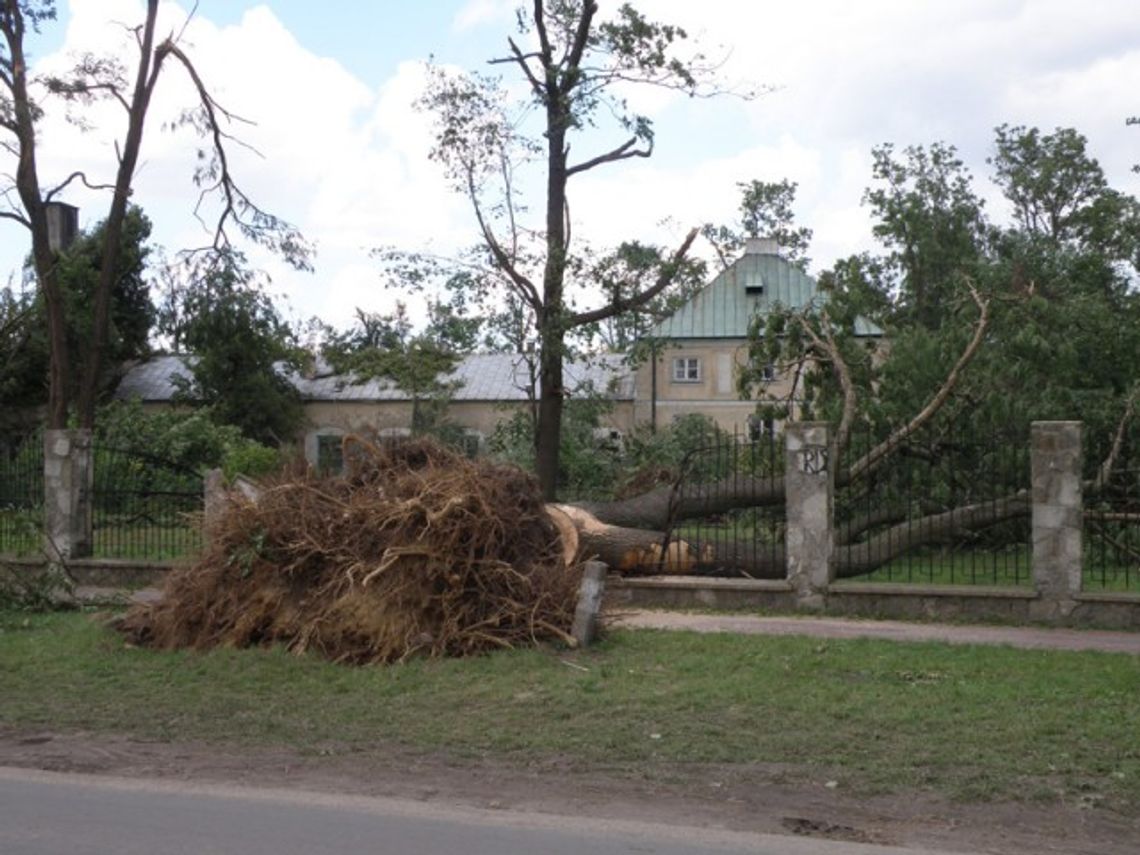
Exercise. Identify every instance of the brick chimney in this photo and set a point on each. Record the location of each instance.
(63, 225)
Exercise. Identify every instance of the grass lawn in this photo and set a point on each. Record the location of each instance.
(967, 722)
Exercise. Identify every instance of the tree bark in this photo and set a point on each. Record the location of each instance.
(643, 551)
(31, 196)
(150, 62)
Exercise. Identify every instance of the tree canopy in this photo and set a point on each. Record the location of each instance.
(242, 350)
(1055, 286)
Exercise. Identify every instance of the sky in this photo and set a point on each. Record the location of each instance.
(341, 151)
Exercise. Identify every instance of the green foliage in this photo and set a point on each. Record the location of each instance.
(418, 363)
(240, 344)
(676, 447)
(765, 211)
(190, 439)
(35, 590)
(632, 268)
(24, 345)
(23, 363)
(930, 220)
(588, 463)
(1064, 318)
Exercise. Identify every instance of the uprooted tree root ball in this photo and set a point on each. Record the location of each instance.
(415, 550)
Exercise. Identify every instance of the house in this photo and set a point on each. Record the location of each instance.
(700, 348)
(698, 353)
(488, 389)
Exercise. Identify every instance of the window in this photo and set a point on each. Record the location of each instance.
(687, 369)
(768, 372)
(470, 443)
(760, 427)
(330, 454)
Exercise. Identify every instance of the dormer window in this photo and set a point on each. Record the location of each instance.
(687, 369)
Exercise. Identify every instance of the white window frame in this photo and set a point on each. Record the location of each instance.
(687, 369)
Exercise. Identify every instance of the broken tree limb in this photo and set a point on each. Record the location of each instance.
(642, 551)
(659, 507)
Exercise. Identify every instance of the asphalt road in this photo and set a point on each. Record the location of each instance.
(44, 813)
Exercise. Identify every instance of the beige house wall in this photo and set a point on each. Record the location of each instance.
(714, 394)
(336, 418)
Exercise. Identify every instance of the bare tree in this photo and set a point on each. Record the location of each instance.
(575, 68)
(21, 94)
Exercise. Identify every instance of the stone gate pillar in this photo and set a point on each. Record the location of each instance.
(809, 483)
(68, 482)
(1055, 473)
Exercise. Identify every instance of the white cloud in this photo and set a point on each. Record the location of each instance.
(346, 159)
(476, 13)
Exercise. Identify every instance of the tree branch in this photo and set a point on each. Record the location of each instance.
(12, 215)
(874, 458)
(82, 177)
(578, 46)
(520, 59)
(623, 152)
(1105, 470)
(505, 263)
(842, 374)
(664, 280)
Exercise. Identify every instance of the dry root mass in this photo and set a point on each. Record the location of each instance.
(415, 550)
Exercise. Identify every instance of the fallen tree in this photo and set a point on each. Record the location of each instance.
(636, 534)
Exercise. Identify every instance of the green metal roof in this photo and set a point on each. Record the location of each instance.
(753, 284)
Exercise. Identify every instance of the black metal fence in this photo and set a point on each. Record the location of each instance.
(1112, 513)
(949, 506)
(143, 507)
(731, 469)
(22, 498)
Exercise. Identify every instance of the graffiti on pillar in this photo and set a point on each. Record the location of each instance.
(813, 459)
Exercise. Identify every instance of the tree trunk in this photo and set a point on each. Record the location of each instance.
(660, 508)
(636, 551)
(113, 228)
(550, 326)
(548, 435)
(858, 559)
(43, 259)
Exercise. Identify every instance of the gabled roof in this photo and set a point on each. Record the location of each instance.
(754, 284)
(482, 377)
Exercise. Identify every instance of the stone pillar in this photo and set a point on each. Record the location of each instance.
(1055, 467)
(68, 481)
(809, 484)
(590, 592)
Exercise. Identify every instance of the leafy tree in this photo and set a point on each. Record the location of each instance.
(930, 220)
(191, 439)
(242, 349)
(25, 344)
(1052, 291)
(22, 96)
(588, 467)
(387, 347)
(630, 268)
(575, 69)
(765, 211)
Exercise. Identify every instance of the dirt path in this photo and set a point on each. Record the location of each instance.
(1014, 636)
(740, 797)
